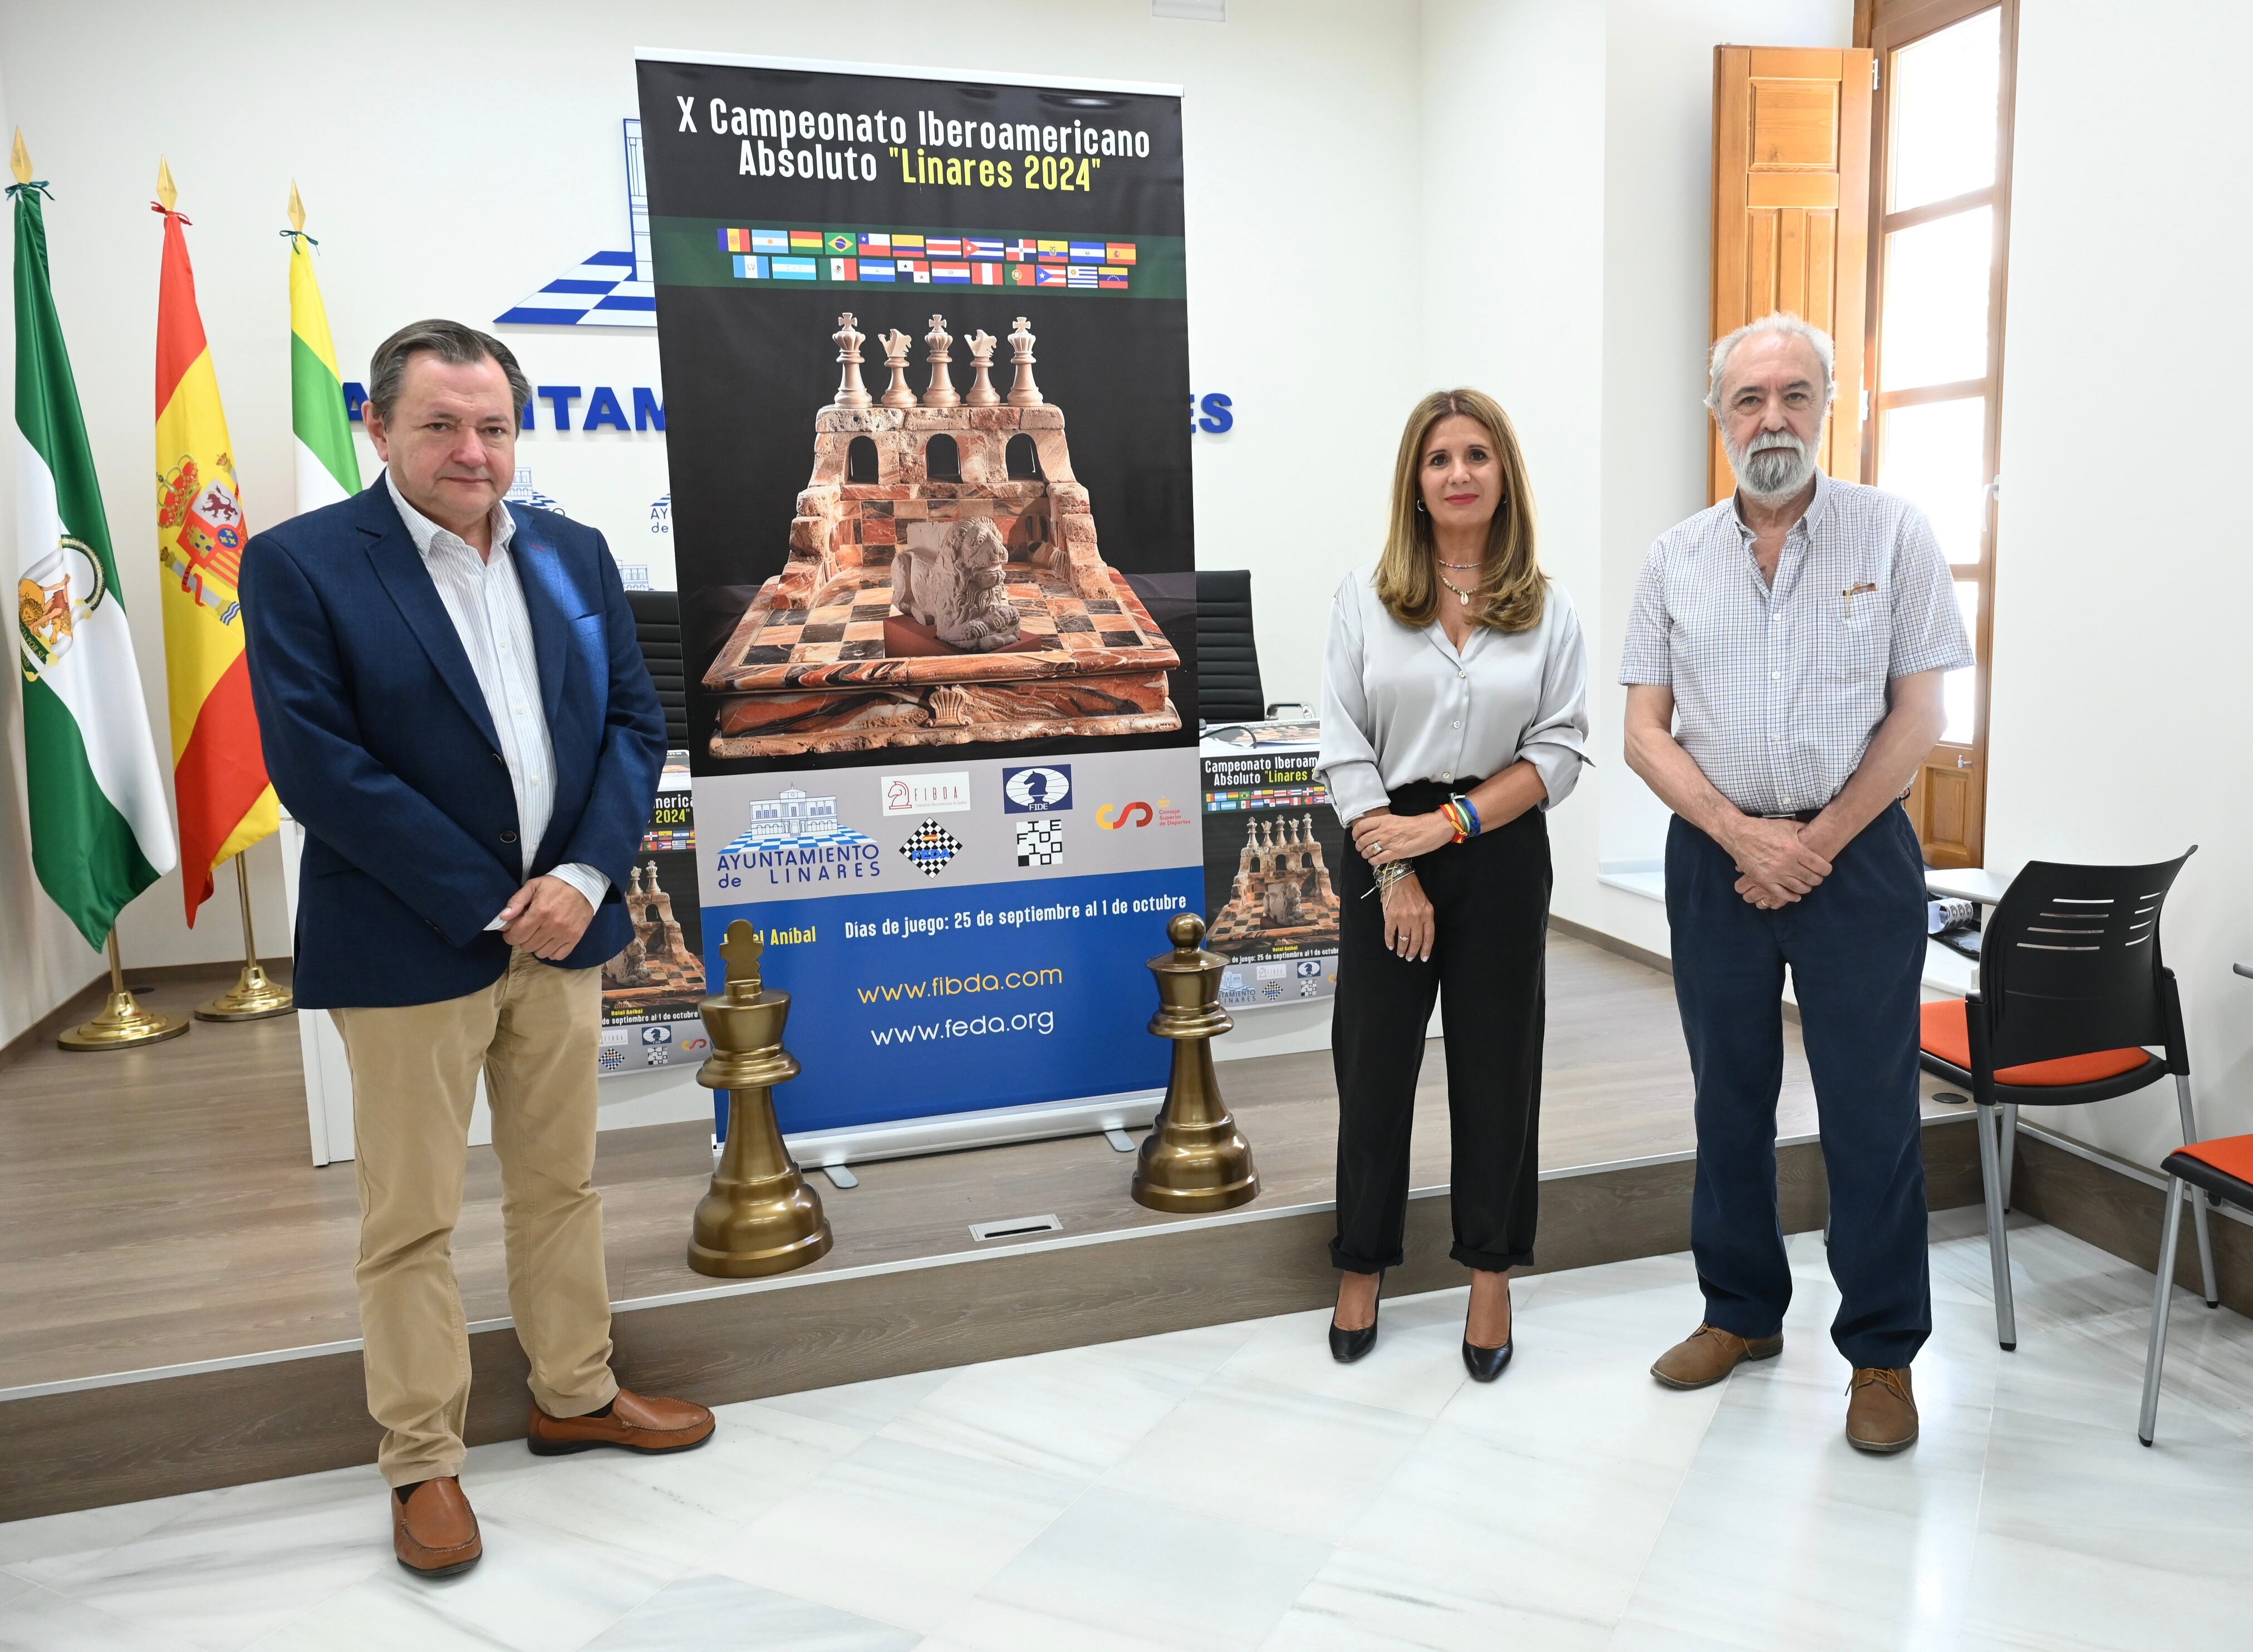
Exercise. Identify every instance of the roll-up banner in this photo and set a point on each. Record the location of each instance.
(925, 351)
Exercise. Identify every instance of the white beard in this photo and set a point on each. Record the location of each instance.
(1778, 468)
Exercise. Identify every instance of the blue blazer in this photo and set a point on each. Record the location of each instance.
(379, 742)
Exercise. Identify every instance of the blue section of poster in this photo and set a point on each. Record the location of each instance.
(910, 1002)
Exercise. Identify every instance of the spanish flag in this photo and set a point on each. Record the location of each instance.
(219, 787)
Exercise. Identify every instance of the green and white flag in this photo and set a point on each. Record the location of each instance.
(328, 467)
(101, 832)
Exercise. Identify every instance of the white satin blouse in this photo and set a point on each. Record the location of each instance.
(1400, 704)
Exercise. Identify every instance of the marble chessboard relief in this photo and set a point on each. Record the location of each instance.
(943, 584)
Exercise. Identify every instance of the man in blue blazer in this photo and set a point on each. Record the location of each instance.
(454, 706)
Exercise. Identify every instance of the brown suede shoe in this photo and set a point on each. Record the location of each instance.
(433, 1533)
(1708, 1353)
(1880, 1411)
(636, 1423)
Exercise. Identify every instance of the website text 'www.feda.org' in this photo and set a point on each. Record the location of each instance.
(1036, 1021)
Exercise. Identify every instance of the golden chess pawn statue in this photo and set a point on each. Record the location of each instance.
(760, 1217)
(1195, 1158)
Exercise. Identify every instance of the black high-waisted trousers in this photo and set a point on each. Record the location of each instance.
(1490, 903)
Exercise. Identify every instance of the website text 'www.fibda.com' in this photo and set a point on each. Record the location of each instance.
(1037, 1021)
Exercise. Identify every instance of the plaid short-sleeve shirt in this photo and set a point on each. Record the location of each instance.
(1777, 689)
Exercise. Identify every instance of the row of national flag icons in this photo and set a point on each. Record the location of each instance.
(901, 244)
(930, 272)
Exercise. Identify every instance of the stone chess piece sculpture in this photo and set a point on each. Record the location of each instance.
(950, 579)
(936, 598)
(656, 966)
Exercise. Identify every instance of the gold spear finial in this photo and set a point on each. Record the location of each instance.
(297, 209)
(19, 159)
(167, 191)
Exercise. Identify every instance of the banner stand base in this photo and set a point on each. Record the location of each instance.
(988, 1127)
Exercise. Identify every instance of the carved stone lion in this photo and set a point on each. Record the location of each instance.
(949, 576)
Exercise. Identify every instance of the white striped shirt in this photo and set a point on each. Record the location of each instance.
(1779, 688)
(486, 602)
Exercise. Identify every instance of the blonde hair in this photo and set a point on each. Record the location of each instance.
(1511, 591)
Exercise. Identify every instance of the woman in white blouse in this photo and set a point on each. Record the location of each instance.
(1455, 711)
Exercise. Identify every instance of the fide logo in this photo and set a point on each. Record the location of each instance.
(1040, 790)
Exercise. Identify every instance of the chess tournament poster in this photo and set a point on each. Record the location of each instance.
(1272, 846)
(926, 362)
(650, 989)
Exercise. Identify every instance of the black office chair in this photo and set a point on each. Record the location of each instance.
(2071, 987)
(1227, 657)
(656, 628)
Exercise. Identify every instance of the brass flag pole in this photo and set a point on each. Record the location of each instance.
(255, 994)
(122, 1022)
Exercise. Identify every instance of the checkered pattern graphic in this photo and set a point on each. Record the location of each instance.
(601, 292)
(847, 622)
(1040, 840)
(929, 849)
(1778, 689)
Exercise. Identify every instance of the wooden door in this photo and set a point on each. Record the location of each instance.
(1791, 214)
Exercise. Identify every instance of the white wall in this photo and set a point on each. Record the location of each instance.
(2122, 700)
(455, 159)
(1568, 176)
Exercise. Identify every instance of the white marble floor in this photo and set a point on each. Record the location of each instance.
(1231, 1488)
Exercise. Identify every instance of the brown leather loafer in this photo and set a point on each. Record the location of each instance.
(636, 1423)
(434, 1532)
(1708, 1353)
(1880, 1411)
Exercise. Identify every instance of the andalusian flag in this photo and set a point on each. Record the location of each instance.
(99, 834)
(218, 770)
(328, 469)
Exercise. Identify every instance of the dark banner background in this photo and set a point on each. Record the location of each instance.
(746, 367)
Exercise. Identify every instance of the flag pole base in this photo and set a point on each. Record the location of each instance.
(122, 1025)
(253, 997)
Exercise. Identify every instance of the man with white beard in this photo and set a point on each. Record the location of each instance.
(1784, 658)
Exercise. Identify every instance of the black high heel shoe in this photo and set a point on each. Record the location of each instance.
(1486, 1363)
(1349, 1346)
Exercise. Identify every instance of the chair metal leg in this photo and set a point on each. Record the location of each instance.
(2010, 1149)
(2198, 1200)
(1999, 1246)
(2162, 1296)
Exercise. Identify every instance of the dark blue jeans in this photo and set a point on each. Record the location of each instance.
(1855, 945)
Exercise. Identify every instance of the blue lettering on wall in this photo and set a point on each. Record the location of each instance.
(560, 397)
(1217, 415)
(602, 408)
(649, 412)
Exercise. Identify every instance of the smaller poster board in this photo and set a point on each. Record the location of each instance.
(1271, 843)
(651, 990)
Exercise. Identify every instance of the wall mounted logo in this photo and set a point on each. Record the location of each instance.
(1113, 817)
(1037, 790)
(794, 821)
(520, 491)
(926, 793)
(606, 289)
(1040, 841)
(929, 849)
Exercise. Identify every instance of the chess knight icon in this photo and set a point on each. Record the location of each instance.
(943, 584)
(53, 599)
(209, 533)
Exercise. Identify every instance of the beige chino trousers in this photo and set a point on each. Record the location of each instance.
(414, 1069)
